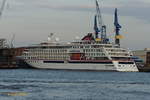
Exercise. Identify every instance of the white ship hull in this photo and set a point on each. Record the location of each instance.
(93, 67)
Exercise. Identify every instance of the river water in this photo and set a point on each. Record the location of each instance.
(35, 84)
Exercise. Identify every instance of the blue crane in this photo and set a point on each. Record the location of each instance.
(117, 28)
(99, 27)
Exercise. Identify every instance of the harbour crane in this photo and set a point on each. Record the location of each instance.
(2, 7)
(99, 27)
(117, 28)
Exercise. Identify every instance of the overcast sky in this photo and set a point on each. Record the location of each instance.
(32, 20)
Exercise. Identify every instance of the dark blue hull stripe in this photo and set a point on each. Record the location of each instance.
(53, 61)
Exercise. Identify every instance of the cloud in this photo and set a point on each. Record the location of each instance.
(73, 7)
(134, 8)
(68, 7)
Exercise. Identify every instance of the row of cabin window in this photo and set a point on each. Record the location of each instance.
(49, 50)
(93, 50)
(95, 54)
(116, 50)
(91, 46)
(119, 54)
(47, 54)
(49, 58)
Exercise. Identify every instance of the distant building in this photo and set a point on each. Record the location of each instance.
(148, 59)
(143, 54)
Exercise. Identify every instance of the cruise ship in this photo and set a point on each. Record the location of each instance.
(92, 52)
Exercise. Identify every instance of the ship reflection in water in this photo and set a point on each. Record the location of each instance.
(31, 84)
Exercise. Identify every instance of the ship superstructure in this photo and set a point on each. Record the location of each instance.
(90, 53)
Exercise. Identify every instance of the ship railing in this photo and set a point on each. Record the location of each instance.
(107, 54)
(89, 42)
